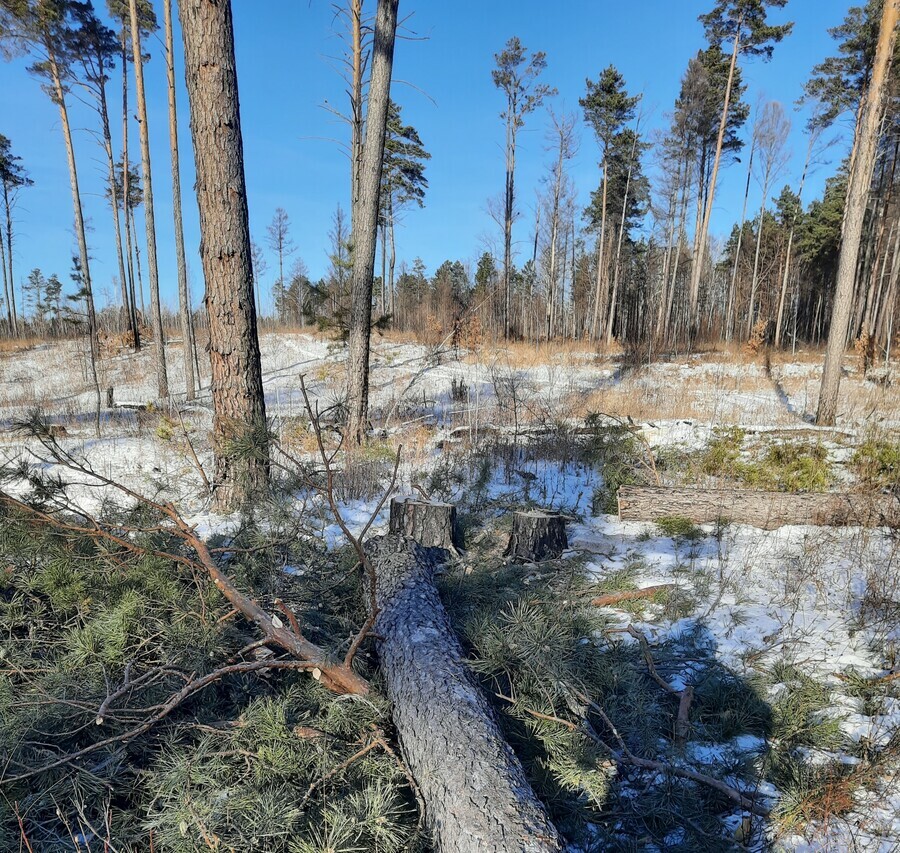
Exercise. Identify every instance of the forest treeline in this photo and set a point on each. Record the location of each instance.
(636, 265)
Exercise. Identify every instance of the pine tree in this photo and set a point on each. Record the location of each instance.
(861, 165)
(365, 220)
(608, 109)
(516, 77)
(743, 24)
(403, 183)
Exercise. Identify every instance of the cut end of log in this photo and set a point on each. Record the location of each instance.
(537, 536)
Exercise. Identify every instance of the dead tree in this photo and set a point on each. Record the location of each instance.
(477, 798)
(537, 536)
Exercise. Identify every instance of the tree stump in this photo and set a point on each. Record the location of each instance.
(476, 796)
(430, 523)
(537, 536)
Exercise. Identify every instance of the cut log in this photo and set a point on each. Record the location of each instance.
(430, 523)
(476, 796)
(537, 536)
(767, 510)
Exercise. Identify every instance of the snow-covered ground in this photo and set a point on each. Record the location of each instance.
(757, 601)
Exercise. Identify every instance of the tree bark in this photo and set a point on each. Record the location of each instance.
(537, 536)
(477, 798)
(430, 523)
(365, 228)
(767, 510)
(237, 390)
(162, 379)
(184, 296)
(865, 145)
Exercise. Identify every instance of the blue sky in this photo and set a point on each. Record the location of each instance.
(442, 81)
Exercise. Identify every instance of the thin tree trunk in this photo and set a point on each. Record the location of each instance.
(617, 263)
(787, 261)
(366, 227)
(697, 268)
(754, 280)
(599, 290)
(508, 210)
(239, 408)
(732, 289)
(184, 296)
(137, 264)
(84, 258)
(114, 195)
(9, 319)
(11, 304)
(356, 110)
(126, 205)
(162, 379)
(866, 141)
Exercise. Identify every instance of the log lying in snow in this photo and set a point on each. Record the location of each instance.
(430, 523)
(767, 510)
(477, 798)
(537, 536)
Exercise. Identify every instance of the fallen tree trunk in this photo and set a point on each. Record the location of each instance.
(477, 798)
(767, 510)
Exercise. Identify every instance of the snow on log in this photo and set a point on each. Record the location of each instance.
(430, 523)
(537, 536)
(767, 510)
(476, 796)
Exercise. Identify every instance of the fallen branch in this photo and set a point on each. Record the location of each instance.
(630, 594)
(193, 685)
(685, 696)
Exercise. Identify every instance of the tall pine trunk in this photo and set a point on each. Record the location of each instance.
(697, 267)
(365, 228)
(12, 314)
(114, 197)
(239, 409)
(80, 233)
(126, 188)
(184, 296)
(162, 379)
(865, 145)
(599, 289)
